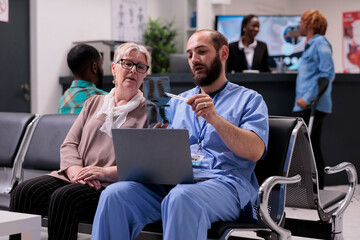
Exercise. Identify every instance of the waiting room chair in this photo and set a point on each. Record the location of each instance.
(329, 205)
(13, 129)
(41, 154)
(41, 151)
(272, 172)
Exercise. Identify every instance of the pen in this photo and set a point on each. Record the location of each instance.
(176, 96)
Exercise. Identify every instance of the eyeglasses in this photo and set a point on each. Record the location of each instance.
(128, 64)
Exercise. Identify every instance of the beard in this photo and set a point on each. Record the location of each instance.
(211, 73)
(100, 75)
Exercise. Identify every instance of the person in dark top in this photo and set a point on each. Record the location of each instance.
(248, 53)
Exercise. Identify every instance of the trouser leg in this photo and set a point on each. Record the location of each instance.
(32, 196)
(315, 140)
(189, 209)
(316, 143)
(125, 208)
(68, 206)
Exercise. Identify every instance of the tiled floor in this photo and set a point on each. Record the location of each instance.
(351, 228)
(351, 224)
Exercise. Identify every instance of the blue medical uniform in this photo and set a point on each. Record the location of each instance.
(226, 186)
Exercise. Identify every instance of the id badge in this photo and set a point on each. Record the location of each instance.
(196, 158)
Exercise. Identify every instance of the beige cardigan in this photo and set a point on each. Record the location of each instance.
(86, 145)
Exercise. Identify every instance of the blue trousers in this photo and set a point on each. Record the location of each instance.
(187, 211)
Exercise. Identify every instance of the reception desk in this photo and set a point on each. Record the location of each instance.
(341, 133)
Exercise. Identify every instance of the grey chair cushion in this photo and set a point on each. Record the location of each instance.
(329, 198)
(12, 129)
(43, 152)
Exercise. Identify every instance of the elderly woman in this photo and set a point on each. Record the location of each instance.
(87, 155)
(248, 53)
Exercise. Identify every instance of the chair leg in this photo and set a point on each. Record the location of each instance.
(337, 224)
(337, 227)
(267, 235)
(337, 236)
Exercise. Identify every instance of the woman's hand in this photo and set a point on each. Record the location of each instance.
(301, 103)
(93, 183)
(160, 125)
(91, 173)
(94, 175)
(73, 172)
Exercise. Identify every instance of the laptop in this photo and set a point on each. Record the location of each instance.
(153, 156)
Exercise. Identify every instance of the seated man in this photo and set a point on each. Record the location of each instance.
(85, 63)
(228, 130)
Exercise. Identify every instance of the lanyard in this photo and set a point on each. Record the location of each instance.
(201, 134)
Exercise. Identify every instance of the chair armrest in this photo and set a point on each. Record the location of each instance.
(17, 174)
(264, 194)
(352, 177)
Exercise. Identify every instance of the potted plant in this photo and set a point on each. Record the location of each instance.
(160, 36)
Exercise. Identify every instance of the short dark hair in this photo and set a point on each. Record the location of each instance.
(80, 57)
(218, 39)
(245, 21)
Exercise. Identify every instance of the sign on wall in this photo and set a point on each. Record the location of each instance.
(128, 18)
(351, 42)
(4, 10)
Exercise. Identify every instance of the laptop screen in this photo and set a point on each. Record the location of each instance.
(153, 156)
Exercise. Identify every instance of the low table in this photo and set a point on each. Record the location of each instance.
(28, 225)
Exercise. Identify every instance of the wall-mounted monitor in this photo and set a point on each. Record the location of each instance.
(275, 31)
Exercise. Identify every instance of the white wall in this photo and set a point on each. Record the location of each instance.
(258, 7)
(54, 25)
(170, 10)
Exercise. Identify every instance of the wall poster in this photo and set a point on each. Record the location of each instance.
(4, 10)
(351, 42)
(128, 19)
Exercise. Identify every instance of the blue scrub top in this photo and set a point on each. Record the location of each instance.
(242, 107)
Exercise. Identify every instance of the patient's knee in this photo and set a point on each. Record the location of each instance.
(180, 196)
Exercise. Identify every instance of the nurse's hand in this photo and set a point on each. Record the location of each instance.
(301, 103)
(203, 106)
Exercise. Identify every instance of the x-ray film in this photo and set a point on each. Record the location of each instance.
(157, 102)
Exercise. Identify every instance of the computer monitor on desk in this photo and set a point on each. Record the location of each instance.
(277, 31)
